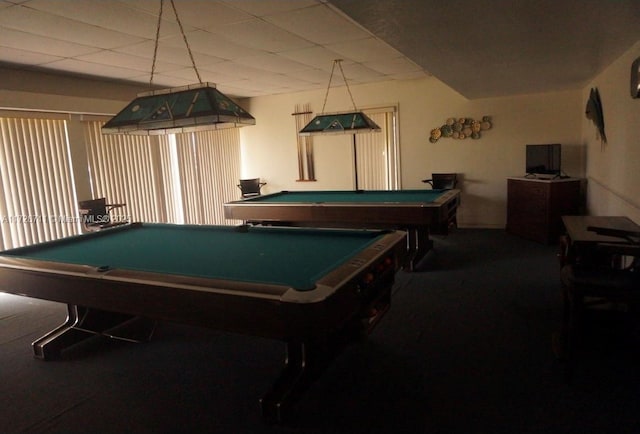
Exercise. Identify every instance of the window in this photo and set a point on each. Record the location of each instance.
(181, 178)
(208, 169)
(377, 153)
(37, 195)
(127, 169)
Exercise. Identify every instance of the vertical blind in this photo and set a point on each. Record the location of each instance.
(171, 195)
(37, 195)
(375, 155)
(208, 164)
(220, 152)
(182, 178)
(124, 169)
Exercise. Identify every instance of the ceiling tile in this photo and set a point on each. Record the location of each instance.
(161, 80)
(318, 24)
(164, 81)
(170, 54)
(364, 50)
(148, 6)
(40, 44)
(273, 63)
(97, 69)
(243, 71)
(390, 65)
(358, 73)
(166, 53)
(314, 76)
(102, 14)
(410, 75)
(318, 57)
(261, 8)
(213, 45)
(56, 27)
(202, 14)
(271, 38)
(283, 81)
(206, 75)
(132, 62)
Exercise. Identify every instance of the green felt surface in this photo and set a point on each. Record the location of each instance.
(360, 196)
(287, 256)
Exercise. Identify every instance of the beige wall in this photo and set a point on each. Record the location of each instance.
(269, 147)
(613, 169)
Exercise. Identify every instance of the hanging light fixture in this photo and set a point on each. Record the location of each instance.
(178, 110)
(339, 123)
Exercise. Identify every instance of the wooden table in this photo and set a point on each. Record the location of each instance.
(580, 239)
(594, 275)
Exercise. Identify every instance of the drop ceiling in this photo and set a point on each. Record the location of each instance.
(263, 47)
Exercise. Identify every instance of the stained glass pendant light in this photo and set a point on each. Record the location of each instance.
(339, 123)
(178, 110)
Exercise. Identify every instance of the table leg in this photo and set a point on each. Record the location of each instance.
(307, 359)
(304, 362)
(418, 245)
(49, 346)
(84, 323)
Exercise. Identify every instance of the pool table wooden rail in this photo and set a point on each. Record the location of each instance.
(234, 306)
(418, 219)
(346, 214)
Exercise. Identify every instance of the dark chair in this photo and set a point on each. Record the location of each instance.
(442, 181)
(606, 282)
(250, 187)
(95, 214)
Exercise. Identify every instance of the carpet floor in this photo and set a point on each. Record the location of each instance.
(465, 348)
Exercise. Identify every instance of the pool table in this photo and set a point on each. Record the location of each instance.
(311, 288)
(418, 212)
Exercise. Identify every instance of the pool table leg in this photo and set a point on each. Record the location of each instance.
(418, 245)
(304, 363)
(84, 323)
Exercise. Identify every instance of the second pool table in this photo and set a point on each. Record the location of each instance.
(311, 288)
(418, 212)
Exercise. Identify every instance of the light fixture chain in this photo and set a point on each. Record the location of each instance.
(326, 95)
(193, 62)
(346, 83)
(155, 49)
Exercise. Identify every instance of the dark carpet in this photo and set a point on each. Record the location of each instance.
(465, 348)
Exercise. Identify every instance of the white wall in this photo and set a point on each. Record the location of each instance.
(613, 169)
(269, 147)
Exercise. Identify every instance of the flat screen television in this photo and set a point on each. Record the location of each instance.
(543, 159)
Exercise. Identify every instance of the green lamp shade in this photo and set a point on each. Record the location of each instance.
(340, 123)
(176, 110)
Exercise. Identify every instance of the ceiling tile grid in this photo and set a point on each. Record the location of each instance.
(263, 47)
(246, 47)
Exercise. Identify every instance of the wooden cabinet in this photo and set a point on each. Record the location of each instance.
(535, 206)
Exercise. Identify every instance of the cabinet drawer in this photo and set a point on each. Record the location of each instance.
(534, 207)
(527, 190)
